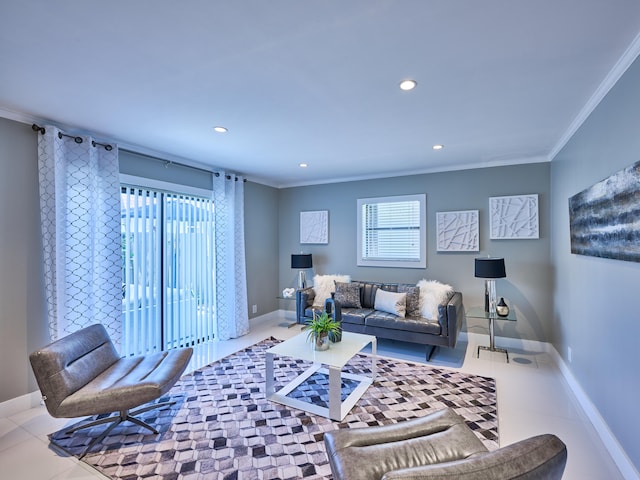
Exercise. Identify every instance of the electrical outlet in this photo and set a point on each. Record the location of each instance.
(569, 354)
(254, 309)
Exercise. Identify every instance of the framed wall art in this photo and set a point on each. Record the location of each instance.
(314, 227)
(603, 219)
(458, 231)
(514, 217)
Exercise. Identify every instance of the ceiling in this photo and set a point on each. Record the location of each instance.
(499, 81)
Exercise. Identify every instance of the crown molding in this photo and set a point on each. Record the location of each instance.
(621, 66)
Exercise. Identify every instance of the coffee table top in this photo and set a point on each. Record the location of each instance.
(337, 355)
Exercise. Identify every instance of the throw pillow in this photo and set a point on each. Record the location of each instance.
(413, 299)
(391, 302)
(348, 295)
(324, 286)
(432, 294)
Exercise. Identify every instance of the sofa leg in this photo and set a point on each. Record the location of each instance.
(431, 349)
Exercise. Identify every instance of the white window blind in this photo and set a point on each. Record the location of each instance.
(392, 231)
(168, 270)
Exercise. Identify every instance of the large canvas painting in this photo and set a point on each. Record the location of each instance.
(605, 218)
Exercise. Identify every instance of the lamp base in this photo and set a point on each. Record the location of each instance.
(302, 280)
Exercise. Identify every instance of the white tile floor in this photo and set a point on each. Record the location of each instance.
(533, 398)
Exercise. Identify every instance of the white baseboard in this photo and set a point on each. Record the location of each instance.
(610, 442)
(20, 404)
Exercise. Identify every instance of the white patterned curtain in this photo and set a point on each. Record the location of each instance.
(80, 215)
(232, 316)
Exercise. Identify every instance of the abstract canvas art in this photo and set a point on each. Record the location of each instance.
(514, 217)
(314, 227)
(458, 231)
(604, 219)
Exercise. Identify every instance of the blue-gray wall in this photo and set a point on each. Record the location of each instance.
(23, 325)
(597, 306)
(528, 284)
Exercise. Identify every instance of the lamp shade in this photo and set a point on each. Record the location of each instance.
(490, 268)
(302, 260)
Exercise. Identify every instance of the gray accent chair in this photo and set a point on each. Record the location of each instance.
(82, 374)
(439, 446)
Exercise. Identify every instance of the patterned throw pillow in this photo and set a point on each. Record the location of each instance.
(348, 295)
(413, 299)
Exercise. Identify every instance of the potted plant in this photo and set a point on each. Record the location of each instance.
(322, 329)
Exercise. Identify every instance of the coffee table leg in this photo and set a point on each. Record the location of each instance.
(335, 393)
(269, 374)
(374, 347)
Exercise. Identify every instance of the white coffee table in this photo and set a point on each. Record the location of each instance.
(334, 359)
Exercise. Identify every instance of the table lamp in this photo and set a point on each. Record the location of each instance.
(301, 261)
(490, 268)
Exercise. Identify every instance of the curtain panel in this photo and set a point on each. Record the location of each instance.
(80, 217)
(232, 316)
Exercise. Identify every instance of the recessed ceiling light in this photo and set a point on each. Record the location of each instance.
(303, 165)
(220, 129)
(438, 147)
(408, 84)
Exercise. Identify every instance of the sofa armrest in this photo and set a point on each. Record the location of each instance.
(543, 456)
(304, 299)
(450, 317)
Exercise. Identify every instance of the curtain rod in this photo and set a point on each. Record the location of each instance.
(108, 148)
(37, 128)
(168, 163)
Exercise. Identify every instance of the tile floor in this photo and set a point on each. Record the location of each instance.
(533, 398)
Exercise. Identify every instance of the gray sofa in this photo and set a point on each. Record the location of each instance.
(440, 332)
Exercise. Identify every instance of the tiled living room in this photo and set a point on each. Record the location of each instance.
(533, 398)
(254, 134)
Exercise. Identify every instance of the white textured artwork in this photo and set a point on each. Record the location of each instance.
(458, 231)
(314, 227)
(514, 217)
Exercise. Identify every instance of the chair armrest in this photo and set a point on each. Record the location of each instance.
(304, 299)
(543, 456)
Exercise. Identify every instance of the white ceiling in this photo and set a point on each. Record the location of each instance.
(499, 81)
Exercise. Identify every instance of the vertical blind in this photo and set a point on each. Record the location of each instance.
(168, 270)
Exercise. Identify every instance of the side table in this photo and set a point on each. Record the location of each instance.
(292, 298)
(478, 312)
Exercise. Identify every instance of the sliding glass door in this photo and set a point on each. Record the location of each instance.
(168, 265)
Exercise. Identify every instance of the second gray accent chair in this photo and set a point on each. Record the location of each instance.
(439, 446)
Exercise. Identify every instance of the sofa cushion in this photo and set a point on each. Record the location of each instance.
(368, 293)
(432, 294)
(355, 315)
(325, 285)
(417, 325)
(391, 302)
(413, 299)
(348, 295)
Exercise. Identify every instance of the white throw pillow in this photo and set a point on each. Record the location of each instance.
(325, 285)
(391, 302)
(432, 294)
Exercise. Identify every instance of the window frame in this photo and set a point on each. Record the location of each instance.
(361, 261)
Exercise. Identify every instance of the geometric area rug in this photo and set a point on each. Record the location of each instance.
(222, 426)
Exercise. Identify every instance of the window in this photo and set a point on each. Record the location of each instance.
(392, 232)
(168, 270)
